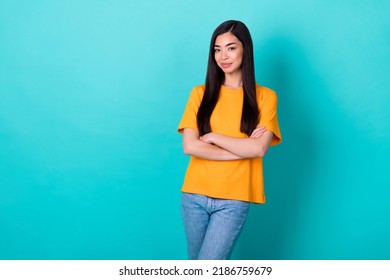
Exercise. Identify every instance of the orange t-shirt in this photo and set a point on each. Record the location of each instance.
(233, 179)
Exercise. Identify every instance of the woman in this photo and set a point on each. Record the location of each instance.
(227, 127)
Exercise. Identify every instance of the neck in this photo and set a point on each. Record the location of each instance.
(233, 80)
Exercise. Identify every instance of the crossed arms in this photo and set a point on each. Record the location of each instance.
(214, 146)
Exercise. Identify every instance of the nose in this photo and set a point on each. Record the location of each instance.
(224, 55)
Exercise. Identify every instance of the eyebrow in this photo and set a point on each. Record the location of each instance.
(227, 45)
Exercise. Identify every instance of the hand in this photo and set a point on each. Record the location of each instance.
(258, 132)
(208, 138)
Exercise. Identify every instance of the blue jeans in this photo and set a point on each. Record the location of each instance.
(212, 225)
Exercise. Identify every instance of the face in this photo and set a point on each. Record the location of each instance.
(228, 52)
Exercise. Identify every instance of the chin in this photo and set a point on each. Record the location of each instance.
(226, 71)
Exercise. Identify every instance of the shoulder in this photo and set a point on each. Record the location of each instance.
(199, 89)
(197, 92)
(264, 93)
(196, 96)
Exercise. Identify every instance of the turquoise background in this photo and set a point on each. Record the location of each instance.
(91, 93)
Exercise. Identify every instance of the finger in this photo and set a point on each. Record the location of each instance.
(257, 133)
(260, 129)
(254, 134)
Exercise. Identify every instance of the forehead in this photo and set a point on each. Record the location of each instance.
(226, 38)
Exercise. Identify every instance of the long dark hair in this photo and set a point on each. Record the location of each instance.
(215, 78)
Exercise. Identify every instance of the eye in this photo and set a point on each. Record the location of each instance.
(232, 48)
(217, 50)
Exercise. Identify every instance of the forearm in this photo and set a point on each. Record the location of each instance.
(193, 146)
(208, 151)
(242, 147)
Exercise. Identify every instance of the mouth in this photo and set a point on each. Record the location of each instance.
(225, 65)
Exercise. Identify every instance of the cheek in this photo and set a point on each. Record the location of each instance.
(239, 58)
(240, 55)
(216, 56)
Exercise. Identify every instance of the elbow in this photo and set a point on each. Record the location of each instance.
(190, 147)
(260, 152)
(186, 152)
(187, 149)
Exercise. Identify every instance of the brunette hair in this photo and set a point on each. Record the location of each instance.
(215, 78)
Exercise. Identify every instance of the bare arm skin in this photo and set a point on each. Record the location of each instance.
(213, 146)
(251, 147)
(193, 146)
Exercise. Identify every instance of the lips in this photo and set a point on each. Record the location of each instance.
(225, 65)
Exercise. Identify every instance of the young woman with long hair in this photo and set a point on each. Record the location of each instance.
(227, 127)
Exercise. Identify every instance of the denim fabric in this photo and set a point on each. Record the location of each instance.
(212, 225)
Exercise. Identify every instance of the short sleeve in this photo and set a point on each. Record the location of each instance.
(268, 114)
(188, 119)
